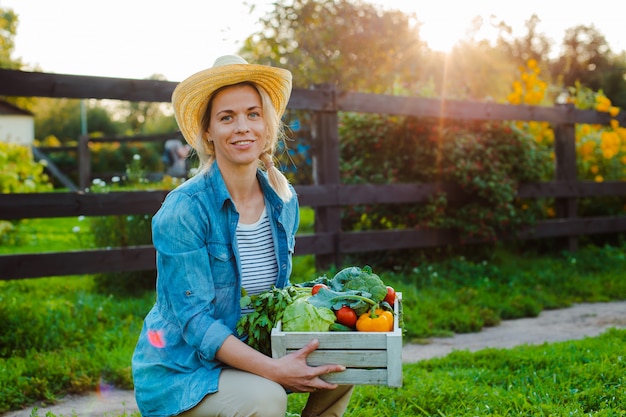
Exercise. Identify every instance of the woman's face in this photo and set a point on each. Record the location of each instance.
(237, 127)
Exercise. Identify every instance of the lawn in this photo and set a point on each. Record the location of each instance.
(60, 335)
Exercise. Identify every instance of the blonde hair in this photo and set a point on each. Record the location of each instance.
(275, 132)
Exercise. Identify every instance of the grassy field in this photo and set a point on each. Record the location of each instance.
(59, 335)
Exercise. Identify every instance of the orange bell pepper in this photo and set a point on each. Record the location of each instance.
(377, 320)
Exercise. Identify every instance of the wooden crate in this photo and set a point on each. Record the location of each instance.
(370, 358)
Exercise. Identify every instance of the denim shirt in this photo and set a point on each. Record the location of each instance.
(198, 290)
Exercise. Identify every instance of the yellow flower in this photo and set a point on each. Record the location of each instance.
(602, 104)
(614, 124)
(593, 169)
(613, 111)
(550, 212)
(598, 178)
(514, 98)
(585, 130)
(610, 144)
(586, 150)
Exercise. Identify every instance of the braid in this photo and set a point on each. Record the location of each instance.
(277, 180)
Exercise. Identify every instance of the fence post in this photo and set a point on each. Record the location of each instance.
(325, 159)
(84, 162)
(565, 167)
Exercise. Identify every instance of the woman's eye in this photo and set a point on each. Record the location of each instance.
(254, 115)
(226, 118)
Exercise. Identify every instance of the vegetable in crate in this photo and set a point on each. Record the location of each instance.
(268, 308)
(346, 316)
(360, 279)
(377, 320)
(301, 316)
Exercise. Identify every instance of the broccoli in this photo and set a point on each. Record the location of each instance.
(357, 279)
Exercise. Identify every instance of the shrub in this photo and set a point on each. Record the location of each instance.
(487, 161)
(124, 231)
(19, 173)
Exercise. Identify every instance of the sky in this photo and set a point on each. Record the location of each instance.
(140, 38)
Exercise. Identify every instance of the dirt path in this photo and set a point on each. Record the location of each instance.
(577, 322)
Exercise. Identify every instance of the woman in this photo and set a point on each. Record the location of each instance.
(231, 226)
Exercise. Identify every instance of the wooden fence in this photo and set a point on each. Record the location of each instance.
(327, 196)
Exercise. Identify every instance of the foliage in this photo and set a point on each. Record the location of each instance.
(267, 309)
(63, 118)
(8, 30)
(19, 173)
(486, 160)
(586, 59)
(322, 42)
(533, 45)
(75, 340)
(600, 149)
(48, 234)
(124, 231)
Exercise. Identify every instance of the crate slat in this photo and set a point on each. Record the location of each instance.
(349, 358)
(358, 377)
(371, 358)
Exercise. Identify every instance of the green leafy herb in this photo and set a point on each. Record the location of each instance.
(268, 308)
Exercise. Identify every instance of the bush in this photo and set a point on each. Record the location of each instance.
(487, 161)
(19, 173)
(123, 231)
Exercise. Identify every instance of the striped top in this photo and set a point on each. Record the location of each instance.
(259, 267)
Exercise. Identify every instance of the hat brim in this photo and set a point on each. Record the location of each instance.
(190, 97)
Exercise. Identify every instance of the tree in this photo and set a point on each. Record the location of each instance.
(8, 30)
(587, 59)
(473, 70)
(62, 118)
(533, 45)
(351, 44)
(585, 56)
(138, 117)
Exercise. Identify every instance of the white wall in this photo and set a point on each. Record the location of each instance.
(17, 129)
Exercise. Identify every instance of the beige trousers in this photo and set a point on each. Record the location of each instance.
(244, 394)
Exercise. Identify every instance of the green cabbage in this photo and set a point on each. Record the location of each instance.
(302, 316)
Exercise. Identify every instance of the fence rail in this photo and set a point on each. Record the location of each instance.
(328, 196)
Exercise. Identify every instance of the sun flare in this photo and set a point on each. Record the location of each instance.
(443, 24)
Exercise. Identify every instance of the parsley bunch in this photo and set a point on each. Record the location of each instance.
(268, 307)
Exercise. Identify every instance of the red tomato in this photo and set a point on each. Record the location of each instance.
(346, 316)
(391, 295)
(317, 287)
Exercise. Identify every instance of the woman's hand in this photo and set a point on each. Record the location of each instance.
(293, 373)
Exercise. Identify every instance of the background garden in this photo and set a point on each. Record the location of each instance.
(76, 334)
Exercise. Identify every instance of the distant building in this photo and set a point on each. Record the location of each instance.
(16, 125)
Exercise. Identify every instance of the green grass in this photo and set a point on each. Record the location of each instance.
(47, 235)
(59, 335)
(576, 378)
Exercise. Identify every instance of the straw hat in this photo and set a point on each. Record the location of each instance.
(190, 97)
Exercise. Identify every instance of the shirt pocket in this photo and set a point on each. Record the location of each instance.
(222, 263)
